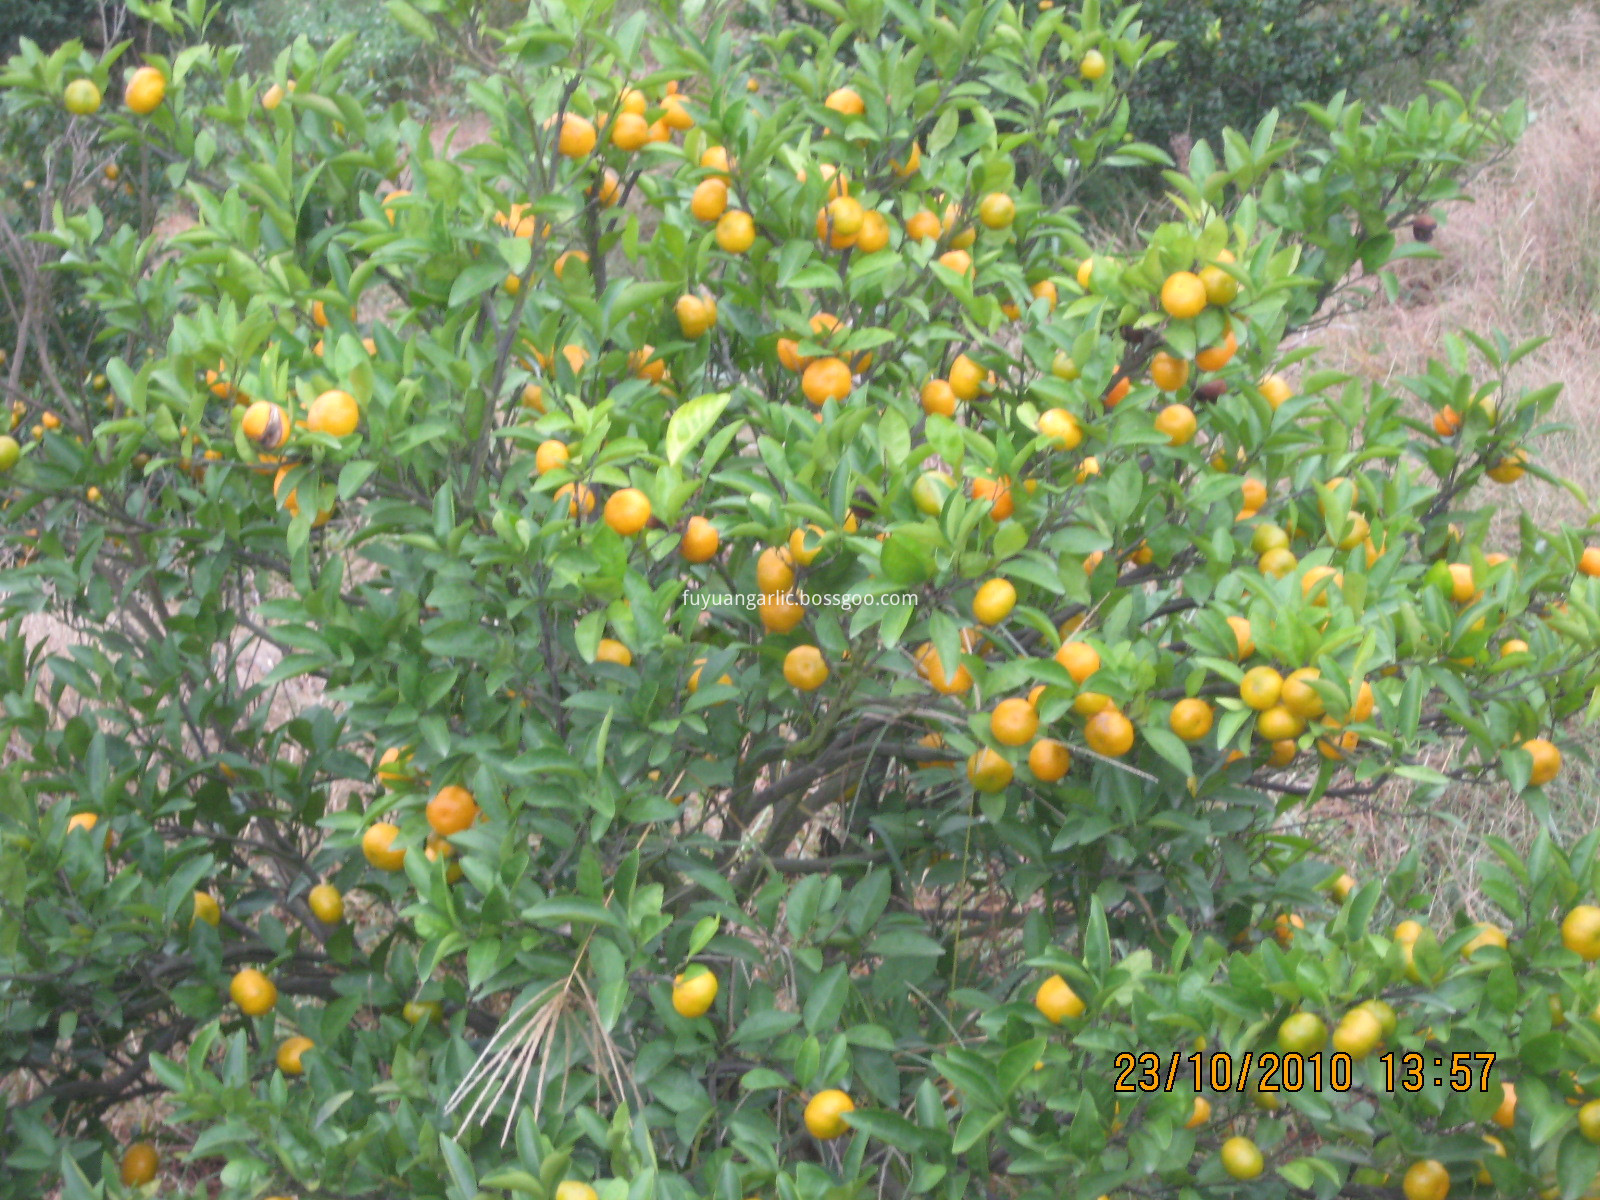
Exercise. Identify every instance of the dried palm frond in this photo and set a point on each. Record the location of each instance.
(544, 1028)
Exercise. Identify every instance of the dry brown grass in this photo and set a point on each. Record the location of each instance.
(1522, 257)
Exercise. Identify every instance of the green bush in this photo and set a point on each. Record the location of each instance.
(48, 22)
(337, 614)
(1232, 61)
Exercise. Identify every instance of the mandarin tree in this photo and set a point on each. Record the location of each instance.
(562, 640)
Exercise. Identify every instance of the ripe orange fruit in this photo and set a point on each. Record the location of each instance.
(960, 238)
(775, 570)
(847, 101)
(1426, 1179)
(572, 1189)
(1178, 423)
(1260, 688)
(1109, 733)
(1510, 468)
(998, 492)
(551, 455)
(1277, 724)
(253, 992)
(1276, 389)
(1487, 935)
(695, 315)
(987, 771)
(693, 992)
(736, 231)
(779, 612)
(1061, 427)
(147, 88)
(1546, 760)
(291, 501)
(805, 544)
(1191, 719)
(931, 669)
(452, 810)
(694, 679)
(939, 398)
(1447, 422)
(1092, 66)
(629, 132)
(206, 909)
(627, 511)
(266, 424)
(966, 378)
(290, 1052)
(1284, 926)
(1183, 295)
(1014, 722)
(1214, 358)
(700, 540)
(994, 601)
(577, 137)
(1080, 659)
(826, 379)
(377, 844)
(997, 210)
(825, 1113)
(394, 768)
(1049, 760)
(909, 166)
(1241, 1158)
(923, 226)
(139, 1163)
(1580, 932)
(1045, 289)
(1200, 1114)
(1589, 561)
(1298, 696)
(1505, 1115)
(1358, 1033)
(874, 234)
(334, 413)
(1056, 1000)
(580, 498)
(676, 116)
(609, 650)
(1243, 636)
(709, 200)
(326, 904)
(1087, 704)
(1589, 1121)
(1118, 392)
(1168, 372)
(1282, 753)
(958, 261)
(805, 669)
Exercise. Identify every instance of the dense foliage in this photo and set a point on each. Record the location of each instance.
(1234, 60)
(731, 524)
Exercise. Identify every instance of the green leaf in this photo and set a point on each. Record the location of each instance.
(563, 910)
(478, 278)
(704, 930)
(906, 560)
(412, 21)
(692, 422)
